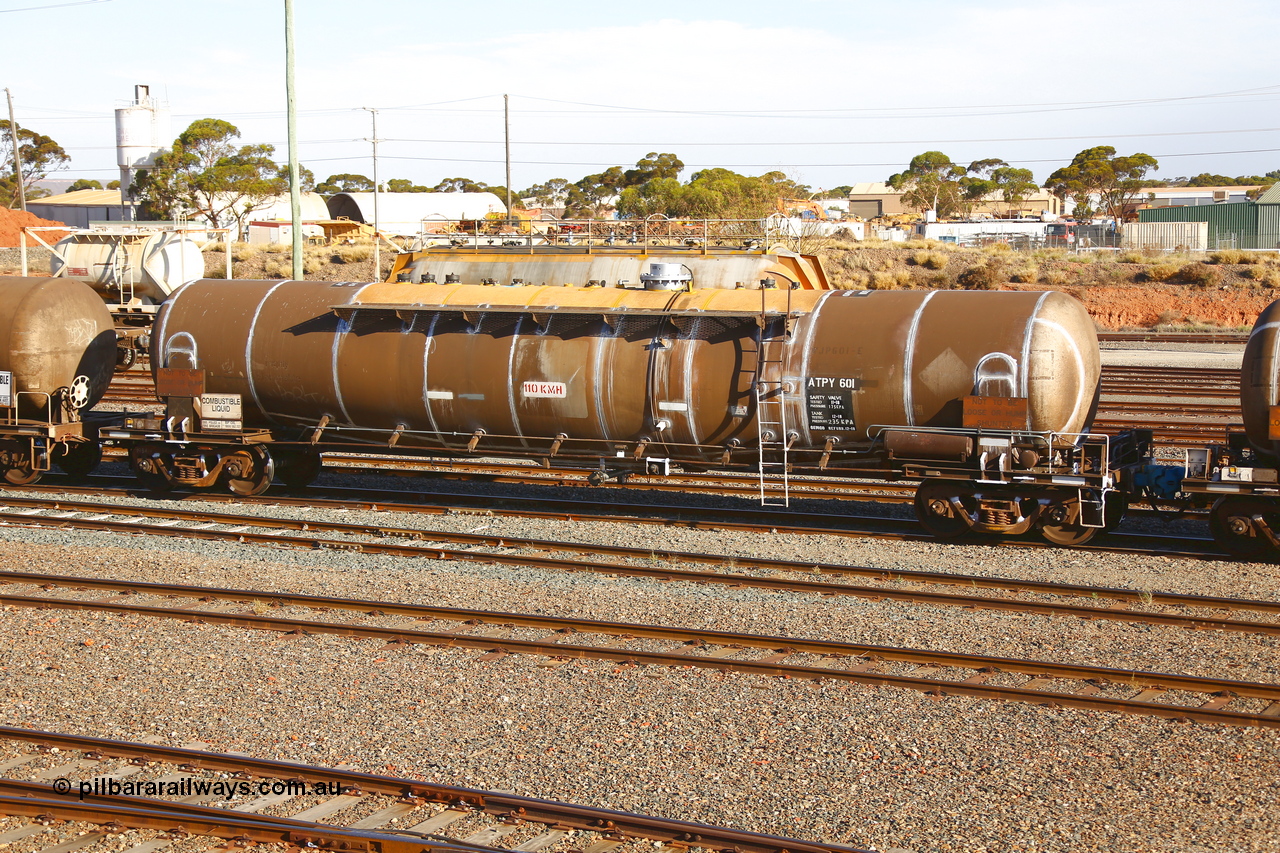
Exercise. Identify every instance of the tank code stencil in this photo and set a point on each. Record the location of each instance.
(544, 389)
(829, 401)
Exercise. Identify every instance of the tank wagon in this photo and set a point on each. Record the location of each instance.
(1240, 480)
(986, 397)
(57, 354)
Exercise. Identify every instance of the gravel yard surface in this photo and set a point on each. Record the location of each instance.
(853, 764)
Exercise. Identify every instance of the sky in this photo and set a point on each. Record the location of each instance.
(831, 92)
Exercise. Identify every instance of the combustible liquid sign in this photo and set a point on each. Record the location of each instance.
(544, 389)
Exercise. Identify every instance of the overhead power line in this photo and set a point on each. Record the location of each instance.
(54, 6)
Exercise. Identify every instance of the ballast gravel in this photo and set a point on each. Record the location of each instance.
(830, 761)
(869, 767)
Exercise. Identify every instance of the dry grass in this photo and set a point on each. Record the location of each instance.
(890, 280)
(1132, 257)
(1234, 256)
(1160, 272)
(928, 260)
(244, 252)
(351, 254)
(1056, 278)
(1263, 276)
(1026, 273)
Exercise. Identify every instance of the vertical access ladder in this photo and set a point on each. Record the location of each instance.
(773, 439)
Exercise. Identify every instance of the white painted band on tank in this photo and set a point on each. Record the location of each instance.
(803, 379)
(344, 326)
(248, 352)
(1026, 348)
(427, 346)
(600, 376)
(162, 320)
(1080, 374)
(511, 380)
(686, 372)
(908, 359)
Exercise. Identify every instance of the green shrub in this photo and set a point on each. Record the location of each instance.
(1200, 275)
(982, 277)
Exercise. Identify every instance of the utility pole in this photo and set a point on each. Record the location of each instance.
(295, 197)
(17, 155)
(377, 255)
(506, 127)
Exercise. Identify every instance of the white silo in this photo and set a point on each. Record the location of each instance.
(142, 132)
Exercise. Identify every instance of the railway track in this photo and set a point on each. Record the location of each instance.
(1220, 337)
(742, 519)
(498, 633)
(1081, 601)
(362, 807)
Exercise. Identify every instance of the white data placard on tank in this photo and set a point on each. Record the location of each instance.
(6, 388)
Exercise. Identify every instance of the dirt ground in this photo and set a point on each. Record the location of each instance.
(13, 221)
(1121, 291)
(1119, 294)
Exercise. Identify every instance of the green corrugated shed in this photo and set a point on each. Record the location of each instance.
(1243, 224)
(1269, 219)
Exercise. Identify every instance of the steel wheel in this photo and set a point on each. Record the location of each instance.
(1233, 527)
(935, 511)
(1068, 534)
(250, 471)
(149, 467)
(79, 459)
(21, 475)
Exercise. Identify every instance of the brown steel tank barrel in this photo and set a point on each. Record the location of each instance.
(56, 338)
(1260, 381)
(437, 364)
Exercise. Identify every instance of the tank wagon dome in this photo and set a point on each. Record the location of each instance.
(56, 338)
(1260, 381)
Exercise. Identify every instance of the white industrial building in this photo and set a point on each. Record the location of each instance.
(402, 214)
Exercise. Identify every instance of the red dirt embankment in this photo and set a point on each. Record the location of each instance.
(13, 221)
(1155, 305)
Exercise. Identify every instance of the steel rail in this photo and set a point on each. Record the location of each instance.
(982, 665)
(1224, 336)
(509, 806)
(900, 491)
(312, 832)
(474, 540)
(228, 826)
